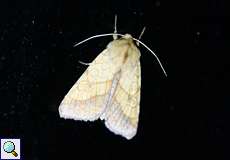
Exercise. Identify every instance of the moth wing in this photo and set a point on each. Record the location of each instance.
(87, 99)
(122, 114)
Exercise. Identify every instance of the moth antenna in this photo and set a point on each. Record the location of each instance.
(142, 32)
(153, 54)
(96, 36)
(87, 64)
(115, 27)
(117, 34)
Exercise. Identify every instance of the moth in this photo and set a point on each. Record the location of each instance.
(109, 89)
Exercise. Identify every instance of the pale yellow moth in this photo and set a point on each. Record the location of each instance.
(110, 87)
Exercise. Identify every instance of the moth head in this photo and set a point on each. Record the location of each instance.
(127, 36)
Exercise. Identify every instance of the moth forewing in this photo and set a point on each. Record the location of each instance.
(109, 89)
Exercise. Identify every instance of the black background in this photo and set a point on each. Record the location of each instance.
(183, 116)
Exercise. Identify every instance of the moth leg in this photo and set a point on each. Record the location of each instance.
(115, 27)
(87, 64)
(142, 32)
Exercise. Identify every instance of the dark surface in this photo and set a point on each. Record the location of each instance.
(183, 116)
